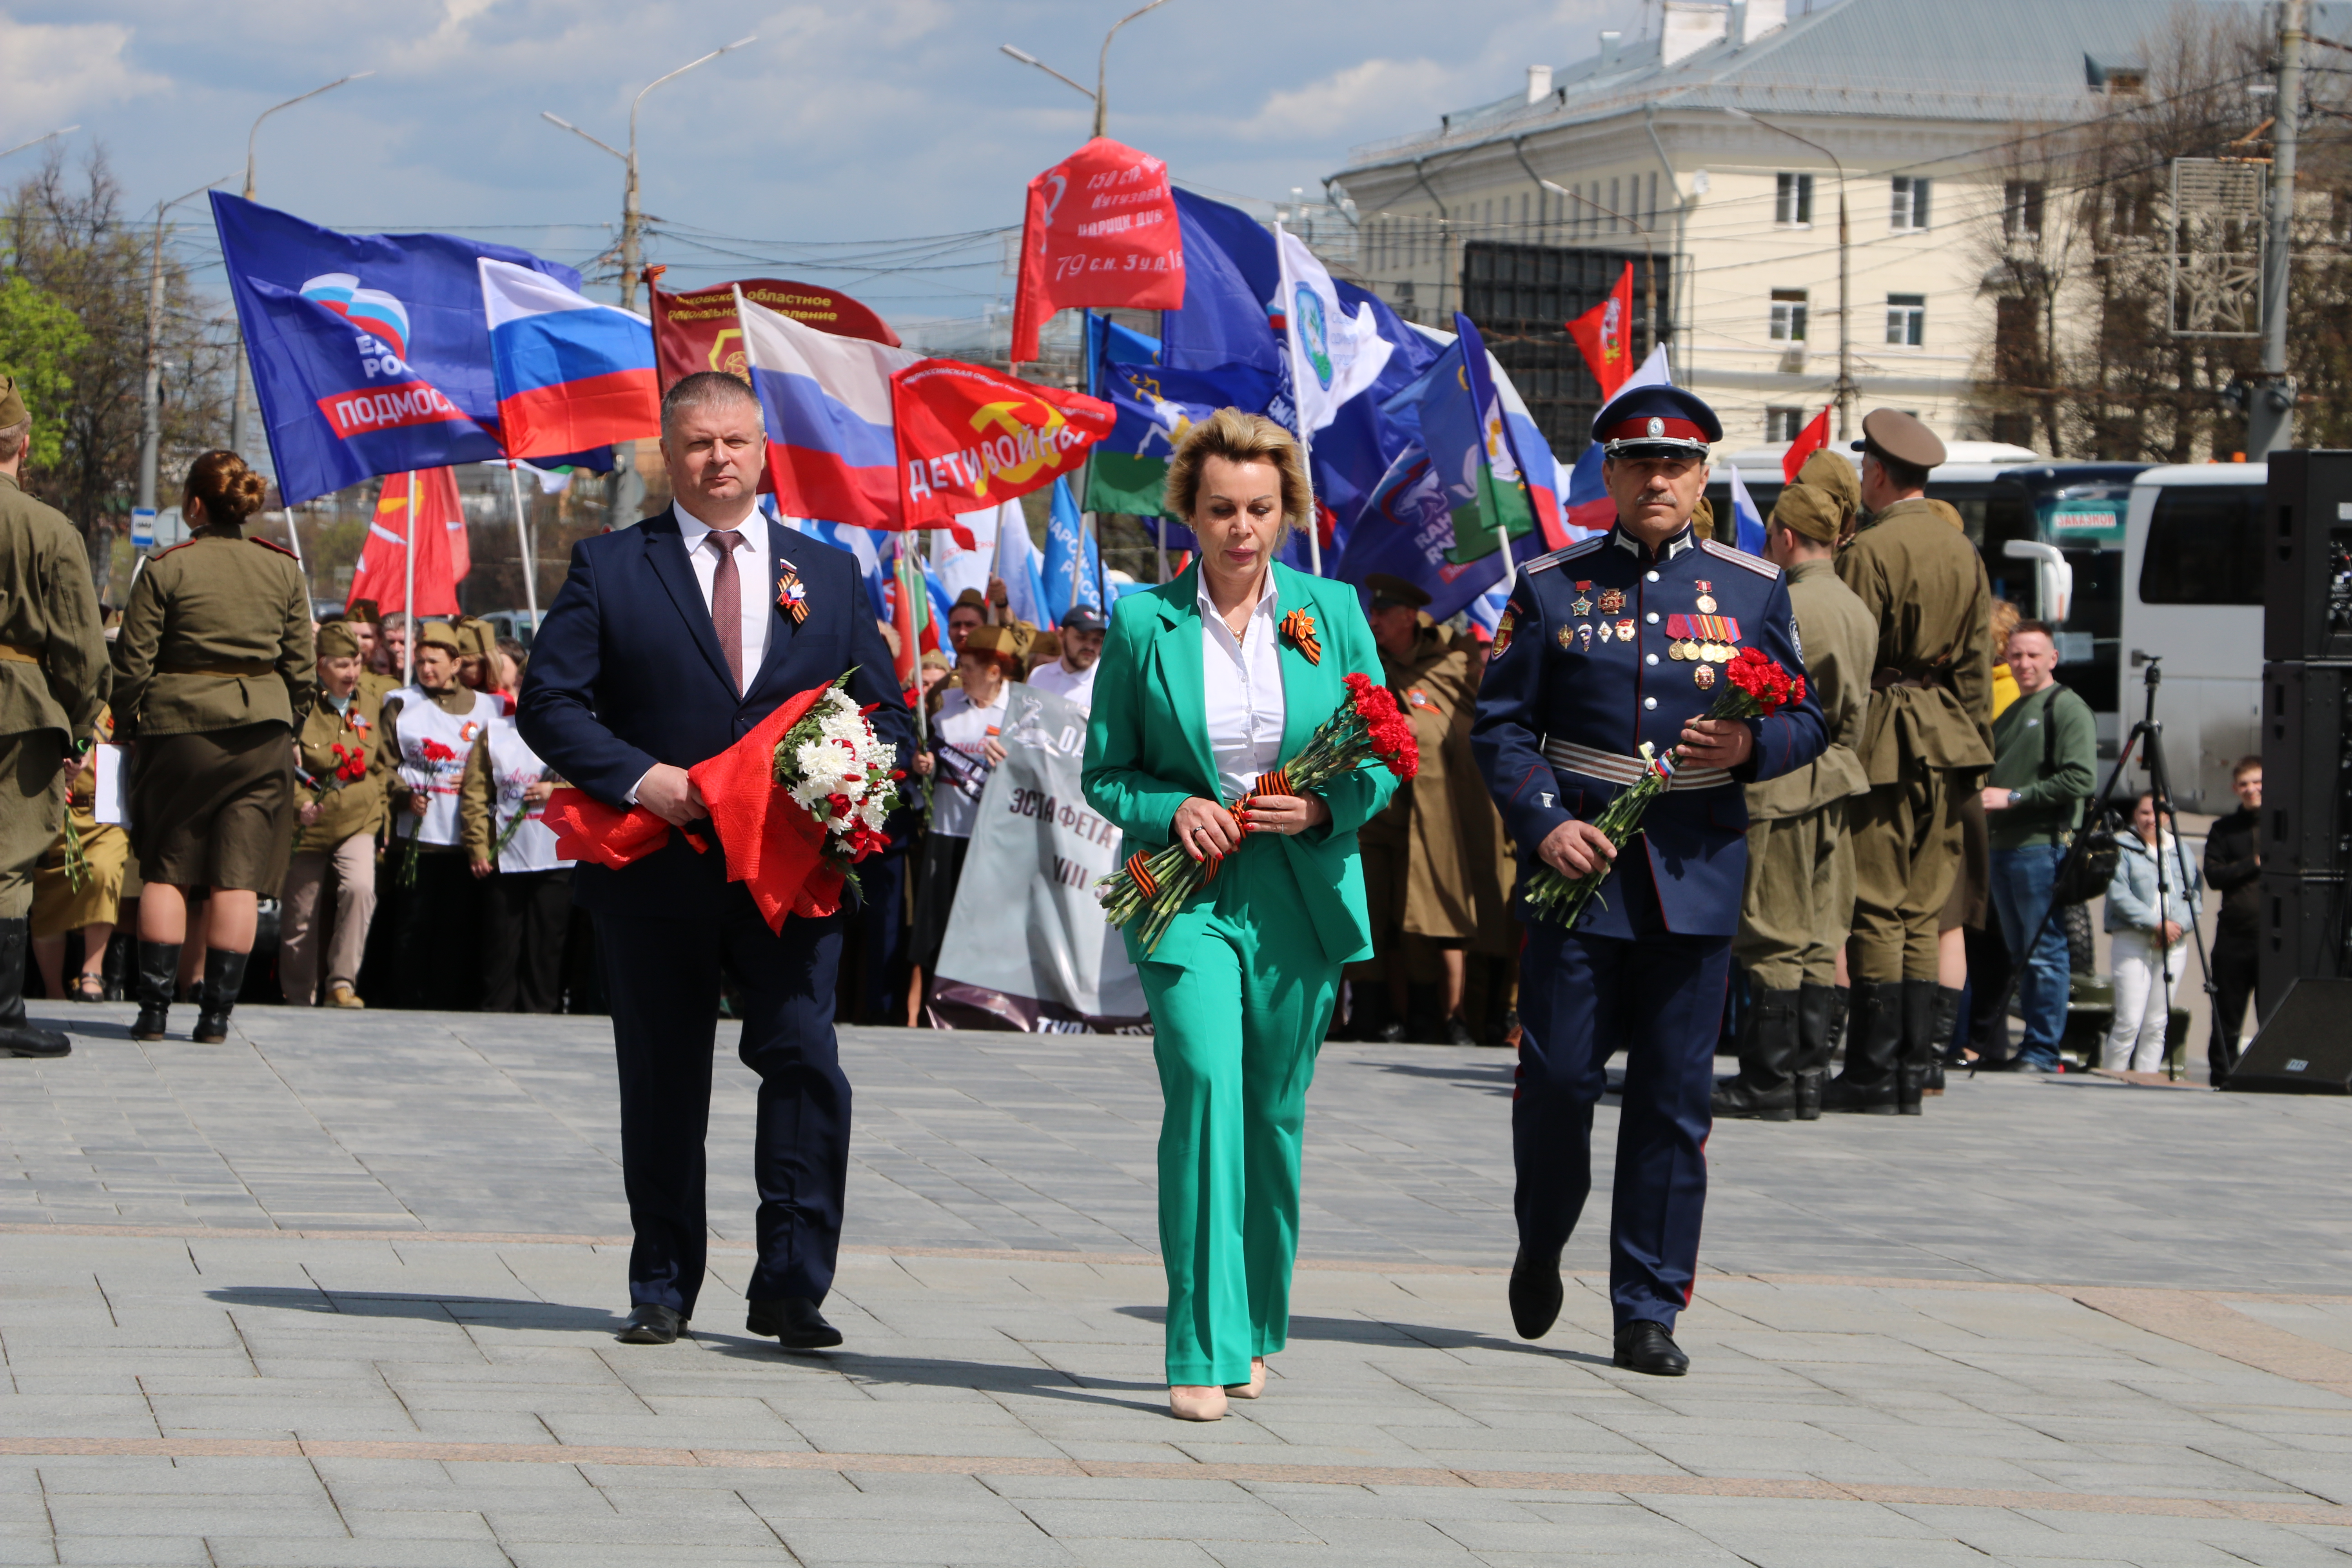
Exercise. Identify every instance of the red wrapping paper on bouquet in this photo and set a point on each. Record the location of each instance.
(615, 836)
(774, 846)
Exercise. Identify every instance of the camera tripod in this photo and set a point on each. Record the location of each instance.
(2148, 734)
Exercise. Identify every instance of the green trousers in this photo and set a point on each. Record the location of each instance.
(1798, 908)
(1237, 1023)
(32, 812)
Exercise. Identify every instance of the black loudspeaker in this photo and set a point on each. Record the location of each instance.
(2307, 557)
(2306, 825)
(2305, 1047)
(2303, 923)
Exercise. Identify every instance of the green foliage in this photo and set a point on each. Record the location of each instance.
(39, 336)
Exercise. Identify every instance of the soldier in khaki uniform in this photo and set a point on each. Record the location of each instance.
(53, 686)
(1421, 878)
(1798, 905)
(341, 778)
(1926, 743)
(213, 673)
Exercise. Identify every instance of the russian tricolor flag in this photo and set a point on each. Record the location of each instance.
(832, 446)
(570, 373)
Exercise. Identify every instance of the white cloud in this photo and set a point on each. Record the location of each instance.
(51, 72)
(1401, 93)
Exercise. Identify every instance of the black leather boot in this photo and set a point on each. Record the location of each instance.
(1766, 1086)
(1940, 1029)
(1816, 1007)
(224, 978)
(19, 1039)
(159, 972)
(1873, 1050)
(1918, 1047)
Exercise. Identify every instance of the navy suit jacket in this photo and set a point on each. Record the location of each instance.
(626, 671)
(1554, 676)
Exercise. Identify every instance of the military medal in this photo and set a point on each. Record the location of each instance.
(1582, 607)
(1625, 630)
(1567, 637)
(1584, 636)
(791, 596)
(1705, 600)
(1704, 676)
(1503, 632)
(1607, 631)
(1611, 600)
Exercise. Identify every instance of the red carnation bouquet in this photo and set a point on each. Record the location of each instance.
(1755, 685)
(1367, 725)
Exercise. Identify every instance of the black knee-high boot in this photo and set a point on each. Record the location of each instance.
(159, 973)
(224, 978)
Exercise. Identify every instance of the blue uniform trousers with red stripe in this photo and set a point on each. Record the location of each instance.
(1659, 998)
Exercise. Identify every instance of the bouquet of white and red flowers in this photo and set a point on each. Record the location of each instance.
(1755, 685)
(839, 771)
(1366, 725)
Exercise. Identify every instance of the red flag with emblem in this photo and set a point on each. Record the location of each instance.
(442, 558)
(1813, 437)
(1100, 230)
(1605, 333)
(971, 438)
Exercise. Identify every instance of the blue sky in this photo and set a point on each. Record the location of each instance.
(885, 120)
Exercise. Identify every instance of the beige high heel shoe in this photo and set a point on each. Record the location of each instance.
(1189, 1402)
(1256, 1383)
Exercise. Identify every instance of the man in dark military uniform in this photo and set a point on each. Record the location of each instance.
(1420, 879)
(1926, 743)
(53, 683)
(1798, 904)
(1608, 645)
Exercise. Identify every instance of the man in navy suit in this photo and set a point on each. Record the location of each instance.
(669, 641)
(1608, 643)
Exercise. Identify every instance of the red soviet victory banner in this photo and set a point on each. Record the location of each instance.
(696, 331)
(381, 573)
(1100, 230)
(971, 438)
(1605, 335)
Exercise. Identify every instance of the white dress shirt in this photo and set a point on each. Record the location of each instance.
(1073, 686)
(759, 594)
(1243, 682)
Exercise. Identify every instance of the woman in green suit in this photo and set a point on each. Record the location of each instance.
(1207, 682)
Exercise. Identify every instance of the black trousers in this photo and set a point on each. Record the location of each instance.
(436, 930)
(524, 918)
(662, 976)
(2234, 964)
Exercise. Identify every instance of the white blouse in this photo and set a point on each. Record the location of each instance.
(1242, 682)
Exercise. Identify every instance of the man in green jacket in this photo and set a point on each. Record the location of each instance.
(2045, 762)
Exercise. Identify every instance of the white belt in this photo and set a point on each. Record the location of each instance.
(1611, 767)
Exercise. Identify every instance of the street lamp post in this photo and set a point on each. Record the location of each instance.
(1101, 93)
(150, 432)
(632, 218)
(1846, 388)
(236, 406)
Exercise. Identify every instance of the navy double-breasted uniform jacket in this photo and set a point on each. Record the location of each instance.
(1601, 649)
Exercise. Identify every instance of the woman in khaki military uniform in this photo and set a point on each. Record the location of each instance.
(212, 673)
(341, 778)
(85, 898)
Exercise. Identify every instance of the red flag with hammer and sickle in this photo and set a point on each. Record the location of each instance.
(971, 438)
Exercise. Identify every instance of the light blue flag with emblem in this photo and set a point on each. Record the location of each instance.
(1333, 355)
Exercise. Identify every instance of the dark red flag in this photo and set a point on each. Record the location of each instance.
(1605, 333)
(1100, 230)
(696, 331)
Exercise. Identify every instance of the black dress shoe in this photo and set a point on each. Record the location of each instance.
(652, 1325)
(1535, 1293)
(1644, 1346)
(794, 1321)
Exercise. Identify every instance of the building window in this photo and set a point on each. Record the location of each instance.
(2021, 209)
(1794, 204)
(1783, 423)
(1907, 318)
(1910, 212)
(1788, 315)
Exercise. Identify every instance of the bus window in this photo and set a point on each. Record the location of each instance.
(2089, 645)
(2204, 546)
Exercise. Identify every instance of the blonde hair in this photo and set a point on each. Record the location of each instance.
(1239, 437)
(2005, 619)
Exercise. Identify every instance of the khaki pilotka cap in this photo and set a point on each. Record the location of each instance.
(437, 634)
(335, 641)
(12, 411)
(1810, 513)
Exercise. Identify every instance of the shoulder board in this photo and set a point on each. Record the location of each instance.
(272, 544)
(1756, 563)
(1566, 552)
(169, 548)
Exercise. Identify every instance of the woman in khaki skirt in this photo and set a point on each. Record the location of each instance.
(212, 670)
(84, 896)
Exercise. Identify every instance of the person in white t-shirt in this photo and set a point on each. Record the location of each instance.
(1072, 676)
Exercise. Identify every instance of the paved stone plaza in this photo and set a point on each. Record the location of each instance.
(342, 1290)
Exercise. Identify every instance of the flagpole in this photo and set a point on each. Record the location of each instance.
(1299, 413)
(408, 590)
(296, 540)
(523, 538)
(1163, 547)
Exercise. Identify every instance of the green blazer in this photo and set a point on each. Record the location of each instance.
(1147, 746)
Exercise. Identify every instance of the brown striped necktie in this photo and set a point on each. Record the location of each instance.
(727, 602)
